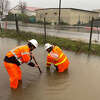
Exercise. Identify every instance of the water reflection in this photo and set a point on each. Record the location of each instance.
(57, 82)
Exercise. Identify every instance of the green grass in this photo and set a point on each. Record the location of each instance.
(67, 44)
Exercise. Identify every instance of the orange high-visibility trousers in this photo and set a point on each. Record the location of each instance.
(64, 66)
(15, 74)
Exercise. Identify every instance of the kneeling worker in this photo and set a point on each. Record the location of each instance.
(16, 57)
(57, 57)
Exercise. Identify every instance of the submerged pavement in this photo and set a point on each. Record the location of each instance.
(80, 82)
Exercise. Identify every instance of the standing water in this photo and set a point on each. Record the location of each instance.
(80, 82)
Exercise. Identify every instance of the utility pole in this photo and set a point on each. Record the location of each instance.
(59, 11)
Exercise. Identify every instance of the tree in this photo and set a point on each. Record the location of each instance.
(22, 7)
(4, 7)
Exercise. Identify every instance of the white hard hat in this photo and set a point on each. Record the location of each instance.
(34, 42)
(47, 46)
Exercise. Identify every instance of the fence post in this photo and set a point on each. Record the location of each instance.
(91, 34)
(98, 32)
(44, 30)
(0, 27)
(16, 20)
(59, 12)
(1, 24)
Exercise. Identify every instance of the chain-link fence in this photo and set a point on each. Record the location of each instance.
(70, 27)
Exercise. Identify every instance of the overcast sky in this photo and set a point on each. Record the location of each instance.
(79, 4)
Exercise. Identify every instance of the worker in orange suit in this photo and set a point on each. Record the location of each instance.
(17, 56)
(56, 57)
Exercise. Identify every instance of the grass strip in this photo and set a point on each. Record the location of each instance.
(64, 43)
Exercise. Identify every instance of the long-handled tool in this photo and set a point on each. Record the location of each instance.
(37, 64)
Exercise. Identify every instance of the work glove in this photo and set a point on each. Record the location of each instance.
(48, 67)
(30, 57)
(31, 64)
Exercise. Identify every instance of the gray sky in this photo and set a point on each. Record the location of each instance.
(80, 4)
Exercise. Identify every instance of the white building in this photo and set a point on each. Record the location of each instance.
(30, 11)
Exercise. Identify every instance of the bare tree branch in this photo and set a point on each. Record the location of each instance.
(4, 6)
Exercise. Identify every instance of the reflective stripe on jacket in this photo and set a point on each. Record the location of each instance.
(21, 53)
(58, 58)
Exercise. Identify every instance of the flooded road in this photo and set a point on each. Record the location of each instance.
(81, 82)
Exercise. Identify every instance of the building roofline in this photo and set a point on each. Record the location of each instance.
(26, 8)
(13, 7)
(68, 8)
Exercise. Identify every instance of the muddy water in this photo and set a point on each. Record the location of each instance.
(81, 82)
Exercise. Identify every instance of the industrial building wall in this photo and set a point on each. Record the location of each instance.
(68, 16)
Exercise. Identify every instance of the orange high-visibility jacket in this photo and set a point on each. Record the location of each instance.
(21, 53)
(58, 58)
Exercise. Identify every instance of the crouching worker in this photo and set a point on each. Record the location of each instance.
(57, 57)
(17, 56)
